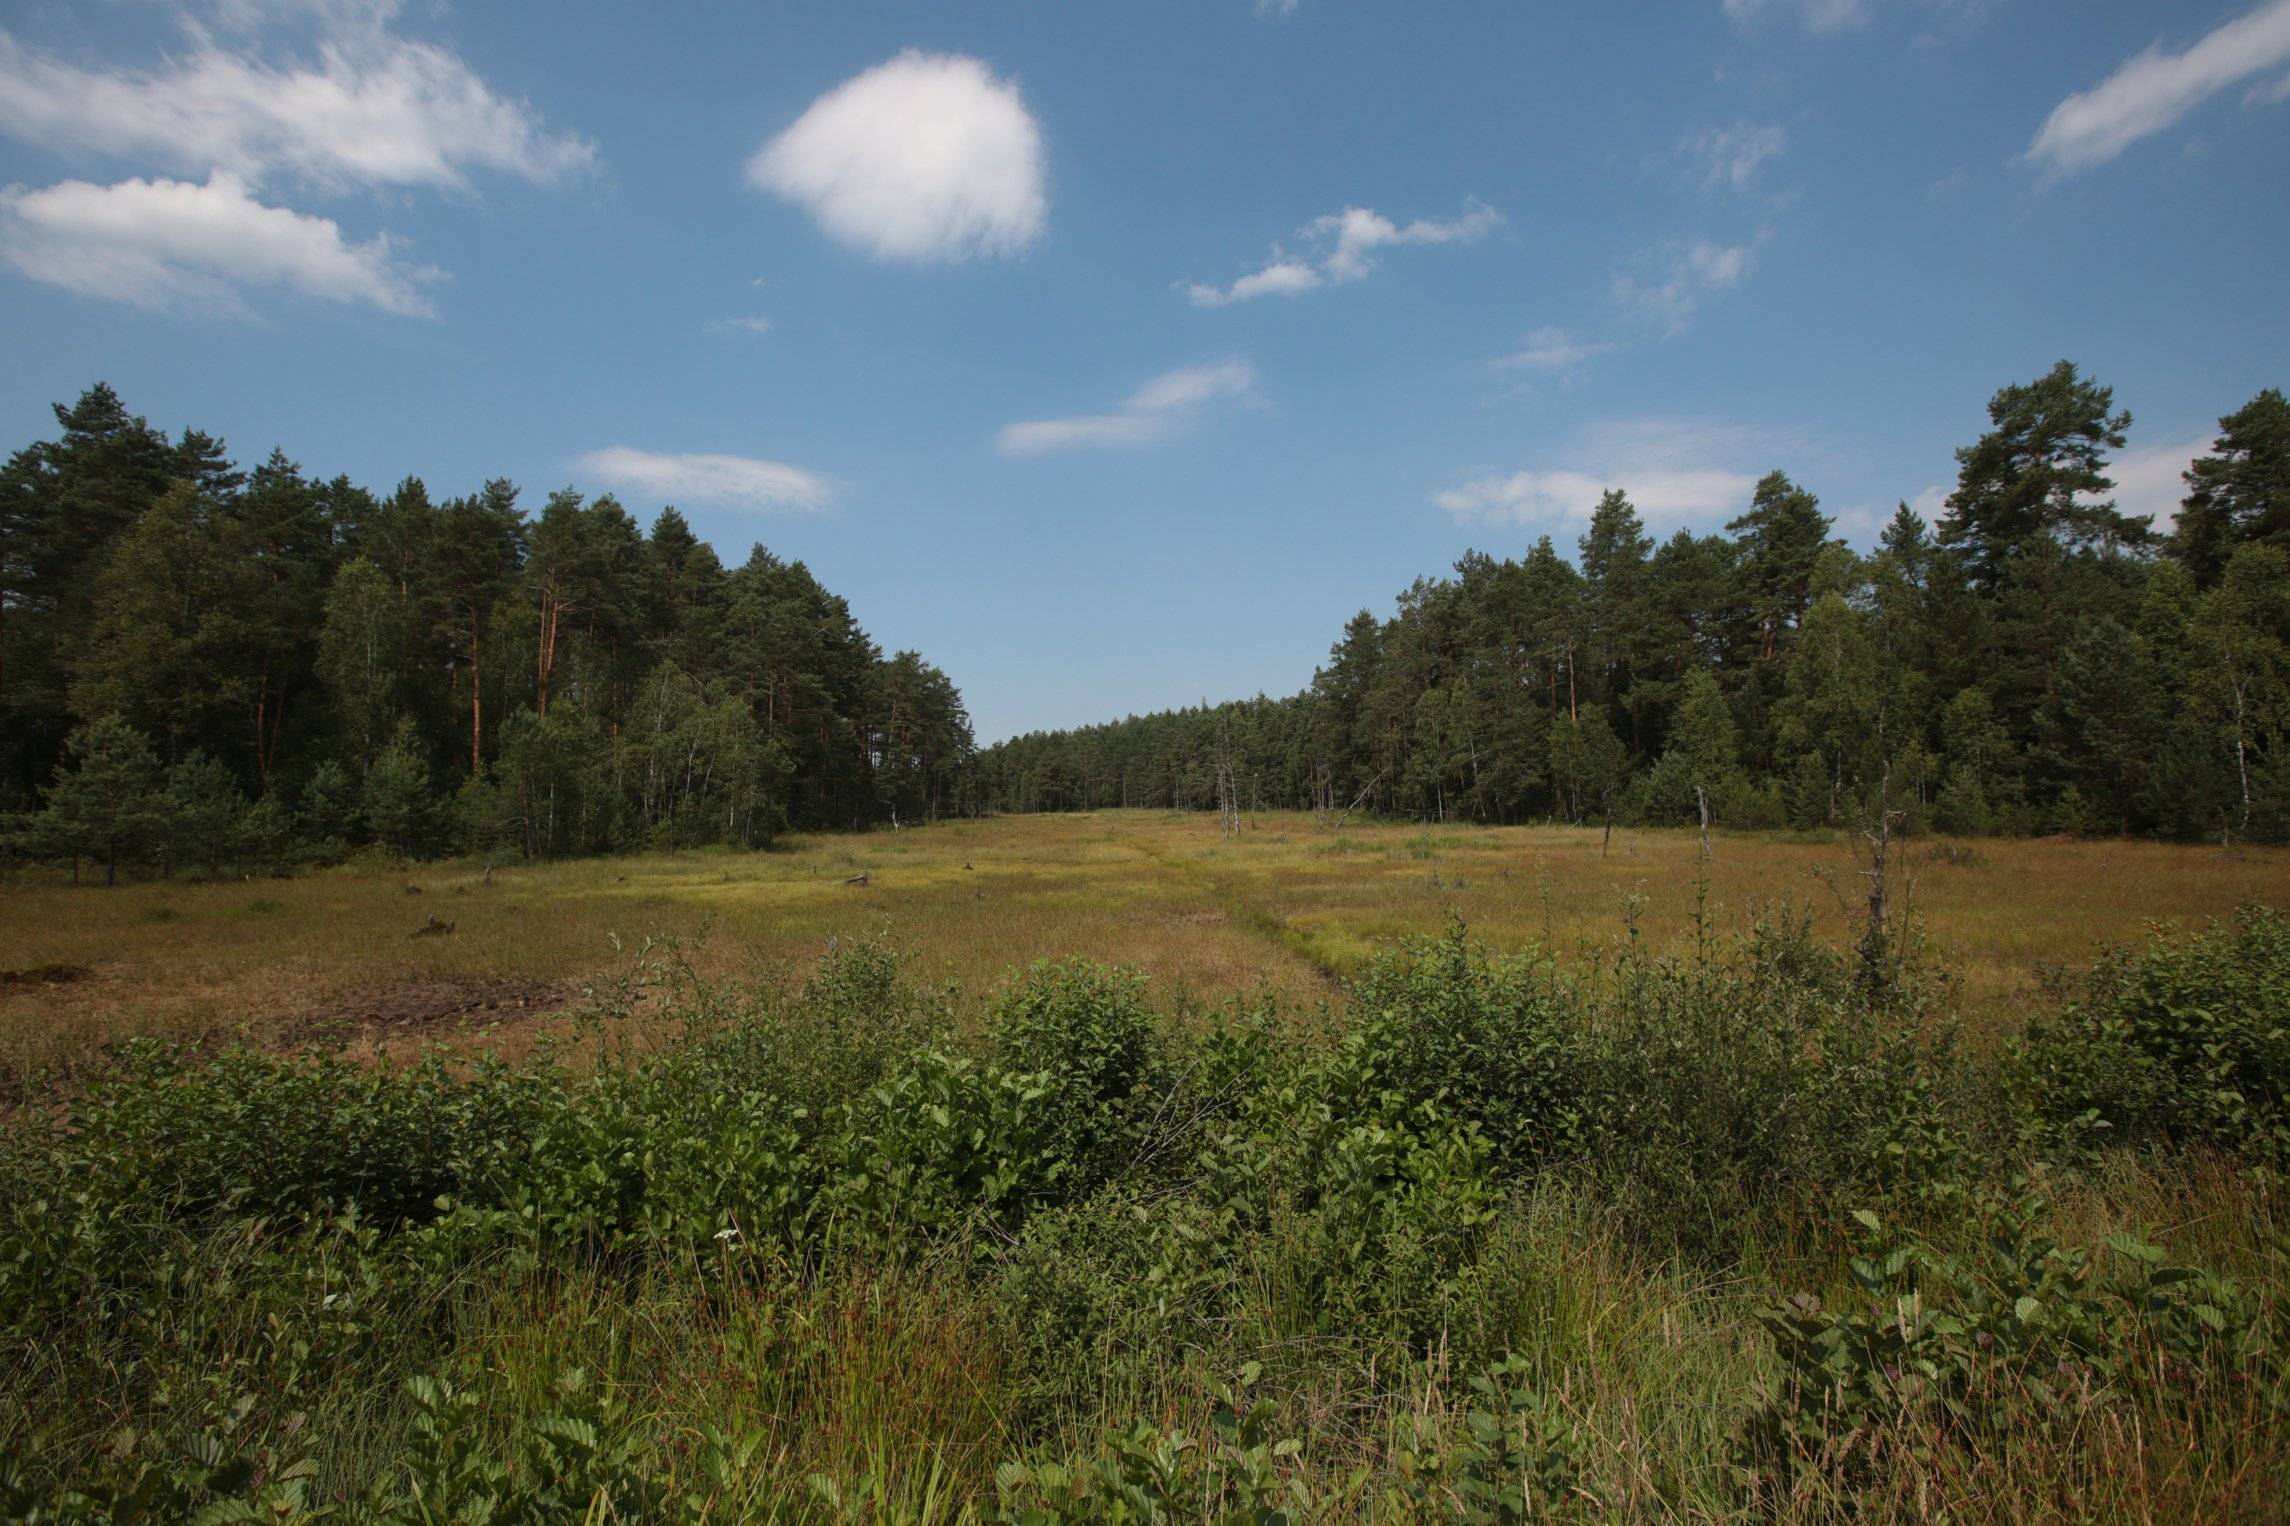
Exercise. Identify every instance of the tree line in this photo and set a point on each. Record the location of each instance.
(204, 666)
(2038, 660)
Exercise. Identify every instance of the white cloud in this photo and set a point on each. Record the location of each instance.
(1344, 245)
(1679, 473)
(167, 243)
(1552, 352)
(1812, 15)
(927, 157)
(756, 326)
(1931, 503)
(1277, 9)
(1689, 274)
(1282, 278)
(1562, 500)
(737, 482)
(1730, 157)
(1155, 410)
(2149, 480)
(2155, 89)
(372, 109)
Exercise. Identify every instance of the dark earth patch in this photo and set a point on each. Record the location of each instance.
(417, 1005)
(45, 975)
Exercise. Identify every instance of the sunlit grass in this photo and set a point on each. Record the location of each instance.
(1286, 906)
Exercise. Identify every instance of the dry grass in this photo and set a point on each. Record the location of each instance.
(1285, 906)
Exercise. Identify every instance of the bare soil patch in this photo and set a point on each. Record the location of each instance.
(45, 975)
(418, 1006)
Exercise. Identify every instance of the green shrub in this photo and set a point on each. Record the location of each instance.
(2020, 1334)
(2189, 1040)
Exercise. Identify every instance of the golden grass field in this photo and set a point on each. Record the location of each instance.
(1285, 906)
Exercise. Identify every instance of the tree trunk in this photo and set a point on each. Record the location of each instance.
(476, 703)
(544, 657)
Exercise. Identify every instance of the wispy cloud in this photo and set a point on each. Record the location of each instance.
(173, 243)
(1561, 501)
(1551, 352)
(753, 326)
(1729, 157)
(2151, 479)
(1684, 275)
(735, 482)
(2154, 90)
(928, 157)
(1812, 15)
(1341, 247)
(1679, 473)
(1153, 412)
(371, 109)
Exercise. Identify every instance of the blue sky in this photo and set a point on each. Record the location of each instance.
(1112, 355)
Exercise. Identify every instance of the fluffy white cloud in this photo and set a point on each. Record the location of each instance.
(736, 482)
(1689, 274)
(372, 109)
(1679, 473)
(1730, 157)
(161, 243)
(1813, 15)
(1344, 246)
(1153, 411)
(927, 157)
(2156, 89)
(1550, 351)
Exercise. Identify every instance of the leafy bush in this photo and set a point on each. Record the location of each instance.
(1511, 1460)
(253, 1255)
(2188, 1040)
(1952, 1349)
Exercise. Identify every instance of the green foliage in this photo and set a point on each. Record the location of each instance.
(1089, 1034)
(398, 809)
(2187, 1040)
(1940, 1349)
(255, 1256)
(300, 638)
(1242, 1477)
(1703, 760)
(1512, 1460)
(106, 803)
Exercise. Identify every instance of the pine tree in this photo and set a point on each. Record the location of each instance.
(1780, 543)
(475, 550)
(205, 813)
(107, 802)
(400, 810)
(2239, 494)
(2040, 473)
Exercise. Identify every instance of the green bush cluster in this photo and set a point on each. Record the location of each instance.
(225, 1244)
(2189, 1042)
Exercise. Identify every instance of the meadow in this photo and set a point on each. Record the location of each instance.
(1288, 907)
(1113, 1168)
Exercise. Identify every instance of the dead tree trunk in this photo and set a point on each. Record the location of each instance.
(1875, 941)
